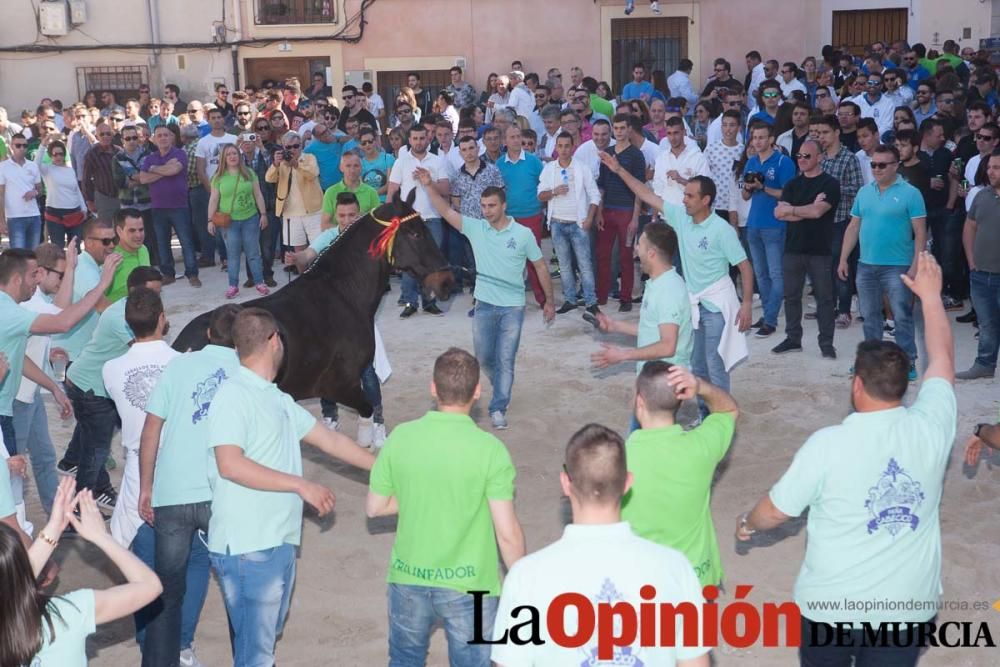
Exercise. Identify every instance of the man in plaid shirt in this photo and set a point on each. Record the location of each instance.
(842, 164)
(474, 176)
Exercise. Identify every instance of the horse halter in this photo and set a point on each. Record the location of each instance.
(382, 244)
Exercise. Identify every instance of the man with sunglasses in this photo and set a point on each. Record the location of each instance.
(770, 100)
(20, 187)
(132, 192)
(222, 103)
(99, 189)
(874, 104)
(896, 89)
(889, 219)
(808, 204)
(244, 115)
(354, 107)
(915, 72)
(196, 114)
(299, 196)
(375, 162)
(925, 104)
(327, 146)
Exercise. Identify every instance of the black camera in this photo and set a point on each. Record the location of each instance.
(753, 177)
(286, 155)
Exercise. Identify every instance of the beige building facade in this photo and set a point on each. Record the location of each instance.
(199, 45)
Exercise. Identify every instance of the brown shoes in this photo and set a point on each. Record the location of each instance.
(195, 281)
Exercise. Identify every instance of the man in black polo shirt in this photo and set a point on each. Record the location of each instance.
(946, 235)
(354, 108)
(807, 204)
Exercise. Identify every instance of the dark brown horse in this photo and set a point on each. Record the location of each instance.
(327, 315)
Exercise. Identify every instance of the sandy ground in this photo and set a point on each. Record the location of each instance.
(338, 612)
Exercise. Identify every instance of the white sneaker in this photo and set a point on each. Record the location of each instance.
(189, 659)
(365, 431)
(655, 6)
(499, 420)
(378, 436)
(331, 424)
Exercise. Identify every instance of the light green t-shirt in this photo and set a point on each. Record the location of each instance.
(670, 499)
(15, 327)
(665, 301)
(366, 194)
(6, 492)
(85, 278)
(73, 623)
(873, 488)
(707, 249)
(243, 207)
(323, 241)
(443, 470)
(110, 340)
(263, 421)
(130, 261)
(500, 257)
(182, 398)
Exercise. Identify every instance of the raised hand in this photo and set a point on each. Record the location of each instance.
(926, 281)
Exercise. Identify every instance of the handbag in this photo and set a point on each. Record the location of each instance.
(222, 220)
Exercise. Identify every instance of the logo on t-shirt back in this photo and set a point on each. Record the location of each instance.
(893, 500)
(139, 384)
(204, 393)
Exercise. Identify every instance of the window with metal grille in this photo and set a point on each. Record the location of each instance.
(122, 80)
(657, 43)
(278, 12)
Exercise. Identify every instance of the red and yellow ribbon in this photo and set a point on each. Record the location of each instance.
(382, 244)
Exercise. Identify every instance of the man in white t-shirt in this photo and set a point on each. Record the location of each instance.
(679, 161)
(873, 488)
(31, 424)
(401, 180)
(20, 187)
(588, 151)
(375, 104)
(601, 558)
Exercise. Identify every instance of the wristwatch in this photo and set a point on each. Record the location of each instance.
(979, 428)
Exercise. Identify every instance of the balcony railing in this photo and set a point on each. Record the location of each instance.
(294, 12)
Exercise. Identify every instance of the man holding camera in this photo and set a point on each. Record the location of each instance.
(299, 197)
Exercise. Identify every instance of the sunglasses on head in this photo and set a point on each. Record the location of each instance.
(881, 165)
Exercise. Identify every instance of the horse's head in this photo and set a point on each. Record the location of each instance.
(412, 247)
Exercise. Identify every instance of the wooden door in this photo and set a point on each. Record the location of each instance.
(855, 30)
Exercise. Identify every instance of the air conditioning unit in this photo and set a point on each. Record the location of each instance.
(358, 77)
(460, 62)
(53, 15)
(77, 12)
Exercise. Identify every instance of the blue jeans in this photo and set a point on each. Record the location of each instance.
(413, 611)
(181, 563)
(875, 280)
(270, 240)
(192, 588)
(96, 421)
(257, 587)
(496, 333)
(571, 242)
(31, 427)
(767, 249)
(243, 236)
(705, 360)
(206, 243)
(60, 233)
(986, 300)
(178, 219)
(25, 232)
(372, 388)
(410, 289)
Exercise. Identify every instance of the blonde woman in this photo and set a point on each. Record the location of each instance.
(236, 192)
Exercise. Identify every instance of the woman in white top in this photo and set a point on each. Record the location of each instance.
(65, 210)
(41, 631)
(499, 99)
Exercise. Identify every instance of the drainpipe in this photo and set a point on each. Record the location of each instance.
(234, 49)
(153, 14)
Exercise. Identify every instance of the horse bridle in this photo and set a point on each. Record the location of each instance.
(382, 244)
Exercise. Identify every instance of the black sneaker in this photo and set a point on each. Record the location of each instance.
(786, 346)
(811, 315)
(764, 331)
(67, 469)
(758, 324)
(270, 281)
(829, 352)
(593, 310)
(248, 283)
(106, 499)
(951, 303)
(565, 308)
(968, 318)
(625, 307)
(433, 310)
(408, 311)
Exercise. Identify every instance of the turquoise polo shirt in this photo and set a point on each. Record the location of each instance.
(15, 327)
(707, 248)
(181, 398)
(6, 492)
(500, 257)
(323, 241)
(777, 169)
(886, 235)
(254, 415)
(520, 180)
(110, 340)
(873, 488)
(666, 301)
(85, 278)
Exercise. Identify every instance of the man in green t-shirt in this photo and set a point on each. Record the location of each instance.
(350, 165)
(130, 230)
(672, 469)
(452, 485)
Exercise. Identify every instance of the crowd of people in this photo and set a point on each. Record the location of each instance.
(872, 180)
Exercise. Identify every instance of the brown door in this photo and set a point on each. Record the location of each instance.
(855, 30)
(279, 69)
(431, 80)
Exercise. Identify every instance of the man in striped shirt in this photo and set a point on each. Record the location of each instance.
(99, 189)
